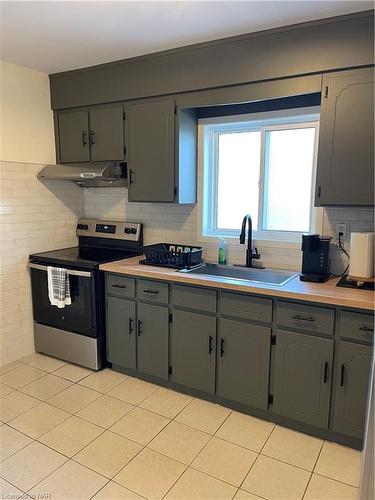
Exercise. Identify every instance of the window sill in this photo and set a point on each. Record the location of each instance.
(270, 243)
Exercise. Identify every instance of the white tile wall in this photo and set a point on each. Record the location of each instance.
(34, 217)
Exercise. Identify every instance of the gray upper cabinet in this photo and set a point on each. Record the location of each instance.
(121, 328)
(193, 348)
(352, 381)
(150, 151)
(302, 377)
(243, 355)
(73, 129)
(95, 134)
(345, 169)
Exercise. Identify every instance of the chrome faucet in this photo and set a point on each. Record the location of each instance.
(249, 251)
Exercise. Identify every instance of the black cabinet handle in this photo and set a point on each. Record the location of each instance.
(325, 372)
(131, 181)
(131, 322)
(221, 347)
(140, 327)
(303, 318)
(367, 329)
(210, 340)
(92, 136)
(342, 375)
(115, 285)
(84, 140)
(155, 292)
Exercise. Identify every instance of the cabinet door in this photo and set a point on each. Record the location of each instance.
(352, 382)
(107, 134)
(345, 171)
(121, 332)
(193, 340)
(150, 146)
(74, 136)
(302, 377)
(152, 340)
(243, 362)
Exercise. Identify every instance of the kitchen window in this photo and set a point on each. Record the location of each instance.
(262, 164)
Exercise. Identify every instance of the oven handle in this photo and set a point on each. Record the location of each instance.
(70, 272)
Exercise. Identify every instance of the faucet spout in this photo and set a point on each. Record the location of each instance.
(249, 251)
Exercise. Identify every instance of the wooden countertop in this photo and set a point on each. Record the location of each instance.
(324, 293)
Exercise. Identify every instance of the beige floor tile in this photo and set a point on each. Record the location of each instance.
(46, 363)
(140, 425)
(195, 485)
(46, 387)
(323, 488)
(225, 461)
(105, 411)
(11, 441)
(340, 463)
(133, 391)
(71, 436)
(72, 372)
(293, 447)
(103, 380)
(180, 442)
(4, 390)
(203, 415)
(74, 398)
(30, 357)
(113, 491)
(10, 366)
(10, 491)
(276, 480)
(150, 474)
(39, 420)
(71, 481)
(108, 454)
(245, 495)
(166, 402)
(14, 404)
(21, 376)
(245, 431)
(30, 465)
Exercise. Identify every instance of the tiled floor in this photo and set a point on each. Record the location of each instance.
(75, 434)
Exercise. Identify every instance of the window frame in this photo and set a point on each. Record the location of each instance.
(208, 133)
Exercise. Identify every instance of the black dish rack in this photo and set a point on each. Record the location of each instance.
(172, 255)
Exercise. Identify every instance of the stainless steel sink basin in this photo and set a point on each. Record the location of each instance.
(235, 273)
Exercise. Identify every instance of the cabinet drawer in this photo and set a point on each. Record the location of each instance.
(194, 298)
(304, 317)
(153, 291)
(241, 306)
(357, 326)
(120, 286)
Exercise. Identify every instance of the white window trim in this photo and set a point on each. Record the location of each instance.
(284, 239)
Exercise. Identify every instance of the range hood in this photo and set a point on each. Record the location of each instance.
(98, 174)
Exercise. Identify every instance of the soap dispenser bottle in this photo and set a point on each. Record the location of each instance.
(222, 255)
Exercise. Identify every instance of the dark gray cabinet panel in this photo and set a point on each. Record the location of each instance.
(345, 171)
(153, 291)
(194, 298)
(120, 286)
(305, 318)
(107, 134)
(302, 377)
(152, 340)
(150, 151)
(193, 341)
(74, 136)
(357, 326)
(243, 362)
(243, 306)
(121, 332)
(352, 381)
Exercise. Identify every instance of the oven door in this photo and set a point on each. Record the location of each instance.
(79, 317)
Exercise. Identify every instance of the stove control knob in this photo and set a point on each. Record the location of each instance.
(82, 226)
(127, 230)
(133, 230)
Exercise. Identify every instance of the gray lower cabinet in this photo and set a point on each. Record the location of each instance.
(73, 128)
(352, 381)
(302, 377)
(243, 357)
(345, 166)
(152, 339)
(121, 332)
(193, 350)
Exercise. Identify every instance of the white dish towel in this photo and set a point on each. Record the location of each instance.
(58, 287)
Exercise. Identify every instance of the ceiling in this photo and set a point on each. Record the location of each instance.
(62, 35)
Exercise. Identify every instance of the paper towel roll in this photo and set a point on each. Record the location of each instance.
(361, 255)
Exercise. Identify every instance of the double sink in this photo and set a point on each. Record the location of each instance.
(238, 273)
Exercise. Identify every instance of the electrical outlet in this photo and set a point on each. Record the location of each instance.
(341, 227)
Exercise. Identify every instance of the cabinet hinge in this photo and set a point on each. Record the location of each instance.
(270, 399)
(170, 318)
(326, 92)
(170, 370)
(273, 339)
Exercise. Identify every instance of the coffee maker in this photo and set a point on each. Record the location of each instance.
(316, 258)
